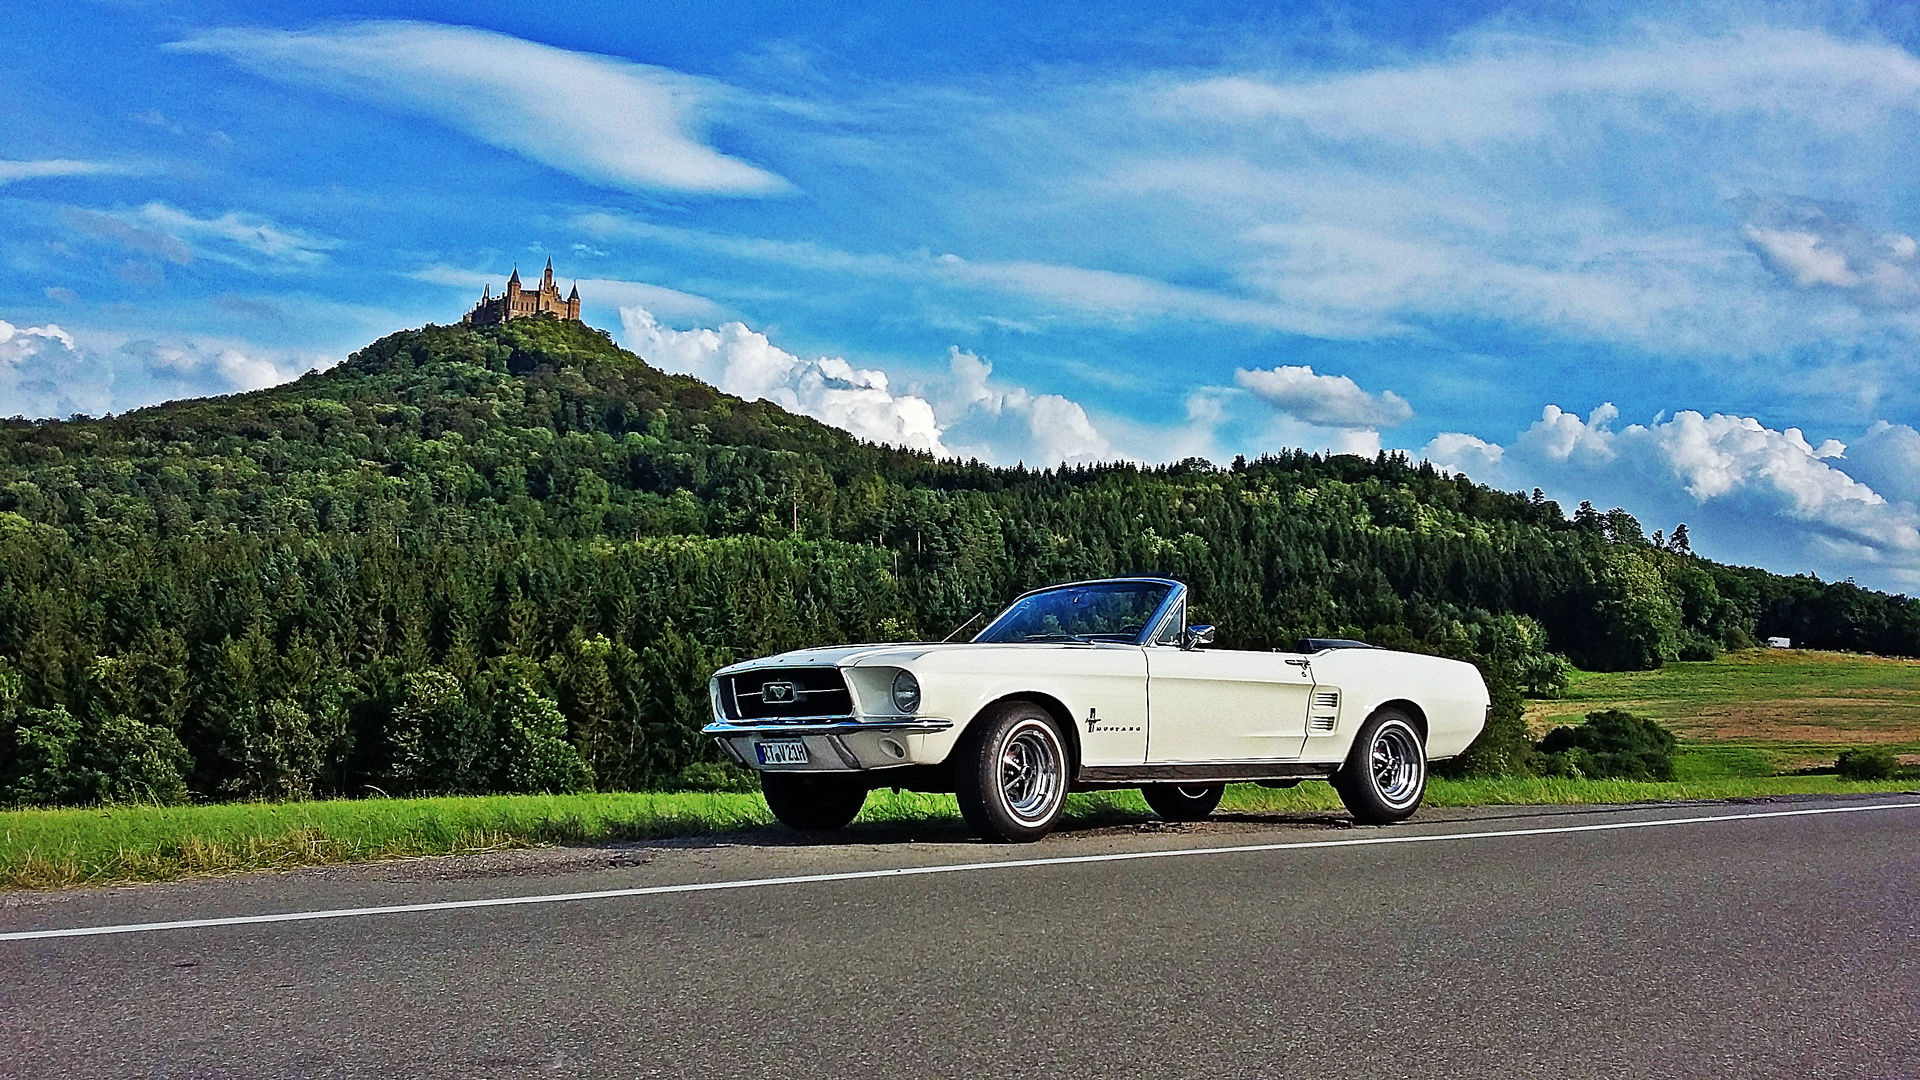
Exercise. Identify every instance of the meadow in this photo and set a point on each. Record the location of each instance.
(1758, 712)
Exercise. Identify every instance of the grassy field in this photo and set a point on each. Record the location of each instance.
(1744, 720)
(62, 848)
(1761, 711)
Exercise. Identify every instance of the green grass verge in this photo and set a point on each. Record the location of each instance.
(63, 848)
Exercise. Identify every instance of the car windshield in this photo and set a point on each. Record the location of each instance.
(1101, 611)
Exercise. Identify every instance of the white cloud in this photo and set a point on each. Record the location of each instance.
(111, 227)
(11, 171)
(238, 239)
(42, 373)
(1887, 458)
(1584, 190)
(606, 120)
(251, 234)
(1749, 492)
(1465, 453)
(593, 291)
(1000, 423)
(45, 372)
(1327, 400)
(1102, 295)
(1501, 88)
(967, 415)
(1814, 246)
(200, 370)
(744, 363)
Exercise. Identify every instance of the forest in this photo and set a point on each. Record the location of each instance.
(508, 558)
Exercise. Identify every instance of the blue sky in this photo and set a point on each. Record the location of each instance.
(1662, 258)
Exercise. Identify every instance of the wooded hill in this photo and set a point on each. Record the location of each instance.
(508, 558)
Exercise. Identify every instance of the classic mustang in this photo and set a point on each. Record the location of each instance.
(1097, 684)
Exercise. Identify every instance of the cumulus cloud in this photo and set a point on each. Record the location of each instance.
(1327, 400)
(191, 370)
(743, 362)
(45, 372)
(1887, 458)
(606, 120)
(42, 373)
(1751, 493)
(969, 414)
(11, 171)
(996, 422)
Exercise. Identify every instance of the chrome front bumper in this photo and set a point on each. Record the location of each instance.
(834, 744)
(726, 729)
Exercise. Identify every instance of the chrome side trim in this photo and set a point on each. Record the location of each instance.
(822, 725)
(1205, 771)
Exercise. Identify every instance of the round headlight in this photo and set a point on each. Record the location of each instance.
(906, 692)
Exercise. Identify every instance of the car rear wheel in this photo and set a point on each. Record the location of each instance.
(1385, 776)
(1183, 802)
(1011, 773)
(812, 802)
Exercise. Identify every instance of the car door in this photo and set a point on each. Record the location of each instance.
(1208, 705)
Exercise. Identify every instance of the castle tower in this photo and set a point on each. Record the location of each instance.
(519, 302)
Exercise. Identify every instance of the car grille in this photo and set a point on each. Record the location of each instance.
(808, 692)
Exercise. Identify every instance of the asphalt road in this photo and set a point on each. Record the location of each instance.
(1778, 946)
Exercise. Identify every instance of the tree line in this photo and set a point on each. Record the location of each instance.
(508, 558)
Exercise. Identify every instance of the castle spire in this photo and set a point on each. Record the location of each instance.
(515, 279)
(575, 294)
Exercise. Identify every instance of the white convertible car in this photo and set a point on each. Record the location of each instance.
(1097, 684)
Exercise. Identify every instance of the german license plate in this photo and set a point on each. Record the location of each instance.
(782, 752)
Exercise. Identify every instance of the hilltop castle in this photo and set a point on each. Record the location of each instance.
(518, 303)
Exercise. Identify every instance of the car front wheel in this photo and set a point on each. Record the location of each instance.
(1183, 802)
(1011, 773)
(1385, 776)
(812, 803)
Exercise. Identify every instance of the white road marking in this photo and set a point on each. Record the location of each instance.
(917, 871)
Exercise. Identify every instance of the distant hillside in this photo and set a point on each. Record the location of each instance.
(465, 549)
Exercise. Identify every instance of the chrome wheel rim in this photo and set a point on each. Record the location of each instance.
(1032, 778)
(1397, 764)
(1193, 793)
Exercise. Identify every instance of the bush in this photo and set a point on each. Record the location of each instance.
(1876, 763)
(538, 755)
(1610, 745)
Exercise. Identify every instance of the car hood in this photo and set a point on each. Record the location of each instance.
(846, 656)
(896, 653)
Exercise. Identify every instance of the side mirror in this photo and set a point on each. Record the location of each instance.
(1195, 637)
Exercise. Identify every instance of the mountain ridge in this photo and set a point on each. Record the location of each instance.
(462, 546)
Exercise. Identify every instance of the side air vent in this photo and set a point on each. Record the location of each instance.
(1324, 715)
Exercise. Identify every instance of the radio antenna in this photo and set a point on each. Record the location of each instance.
(962, 626)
